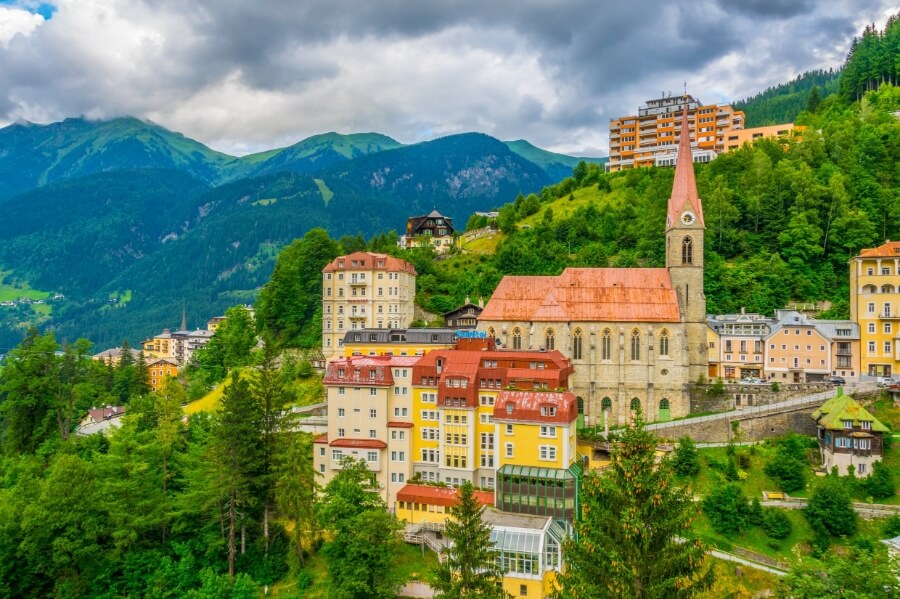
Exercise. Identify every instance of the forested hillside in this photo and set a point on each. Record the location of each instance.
(782, 103)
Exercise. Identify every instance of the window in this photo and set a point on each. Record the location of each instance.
(664, 343)
(635, 404)
(372, 456)
(606, 405)
(606, 345)
(341, 390)
(871, 307)
(341, 432)
(509, 450)
(871, 327)
(866, 425)
(860, 468)
(548, 452)
(687, 251)
(509, 429)
(373, 413)
(341, 412)
(398, 456)
(548, 431)
(517, 338)
(510, 406)
(871, 347)
(635, 345)
(336, 455)
(550, 340)
(577, 345)
(373, 434)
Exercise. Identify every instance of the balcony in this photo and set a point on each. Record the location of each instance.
(358, 316)
(888, 316)
(358, 282)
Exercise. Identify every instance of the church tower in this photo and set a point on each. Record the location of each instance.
(684, 251)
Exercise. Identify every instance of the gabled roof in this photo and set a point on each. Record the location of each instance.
(527, 405)
(843, 407)
(586, 294)
(684, 188)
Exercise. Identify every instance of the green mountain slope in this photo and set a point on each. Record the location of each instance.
(557, 166)
(36, 155)
(457, 174)
(316, 153)
(782, 103)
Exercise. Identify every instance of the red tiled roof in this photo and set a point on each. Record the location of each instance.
(370, 261)
(889, 249)
(358, 370)
(445, 496)
(393, 424)
(321, 439)
(527, 406)
(684, 188)
(586, 295)
(361, 443)
(98, 414)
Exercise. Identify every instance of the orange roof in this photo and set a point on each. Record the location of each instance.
(369, 261)
(363, 443)
(395, 424)
(587, 294)
(527, 406)
(684, 188)
(445, 496)
(321, 439)
(889, 249)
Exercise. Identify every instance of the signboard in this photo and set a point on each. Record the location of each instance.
(471, 335)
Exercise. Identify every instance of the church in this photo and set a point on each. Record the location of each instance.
(635, 336)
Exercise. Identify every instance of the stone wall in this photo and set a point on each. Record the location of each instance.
(738, 396)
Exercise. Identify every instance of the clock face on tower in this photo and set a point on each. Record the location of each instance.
(687, 218)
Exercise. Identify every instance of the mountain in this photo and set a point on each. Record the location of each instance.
(33, 156)
(557, 166)
(457, 174)
(317, 152)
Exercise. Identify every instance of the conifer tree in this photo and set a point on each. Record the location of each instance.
(470, 568)
(629, 542)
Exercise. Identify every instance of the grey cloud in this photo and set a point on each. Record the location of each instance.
(767, 8)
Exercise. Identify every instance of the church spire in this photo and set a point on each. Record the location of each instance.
(684, 189)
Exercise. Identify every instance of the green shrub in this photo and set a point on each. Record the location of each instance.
(880, 484)
(776, 523)
(891, 527)
(829, 508)
(743, 461)
(684, 459)
(728, 509)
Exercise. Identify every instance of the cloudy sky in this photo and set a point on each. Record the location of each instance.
(246, 75)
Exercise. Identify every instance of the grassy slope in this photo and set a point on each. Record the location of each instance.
(10, 291)
(544, 158)
(308, 391)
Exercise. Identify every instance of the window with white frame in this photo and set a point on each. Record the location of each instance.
(372, 456)
(548, 452)
(509, 450)
(548, 431)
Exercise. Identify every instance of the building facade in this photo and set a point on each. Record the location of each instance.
(158, 369)
(637, 336)
(652, 137)
(738, 137)
(465, 317)
(737, 344)
(875, 307)
(803, 350)
(365, 290)
(396, 342)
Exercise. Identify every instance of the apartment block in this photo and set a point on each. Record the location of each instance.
(737, 344)
(875, 307)
(397, 342)
(738, 137)
(804, 350)
(650, 138)
(365, 290)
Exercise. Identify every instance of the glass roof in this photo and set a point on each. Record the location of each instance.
(509, 541)
(534, 472)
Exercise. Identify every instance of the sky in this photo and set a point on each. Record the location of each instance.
(249, 75)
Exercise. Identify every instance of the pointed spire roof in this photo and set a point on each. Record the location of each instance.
(684, 189)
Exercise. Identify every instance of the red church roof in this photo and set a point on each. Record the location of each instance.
(684, 189)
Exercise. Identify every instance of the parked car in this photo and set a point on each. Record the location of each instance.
(752, 380)
(884, 381)
(836, 380)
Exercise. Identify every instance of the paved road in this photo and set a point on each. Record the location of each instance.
(740, 560)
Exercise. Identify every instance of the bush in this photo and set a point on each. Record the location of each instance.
(755, 512)
(743, 461)
(892, 527)
(684, 460)
(731, 472)
(728, 509)
(880, 484)
(788, 466)
(776, 523)
(829, 508)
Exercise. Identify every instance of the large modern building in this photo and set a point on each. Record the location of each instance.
(738, 137)
(636, 336)
(365, 290)
(651, 137)
(875, 306)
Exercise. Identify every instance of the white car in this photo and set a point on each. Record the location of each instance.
(884, 381)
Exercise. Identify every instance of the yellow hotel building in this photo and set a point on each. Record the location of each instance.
(875, 306)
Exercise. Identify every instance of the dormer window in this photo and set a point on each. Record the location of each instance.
(510, 406)
(867, 425)
(847, 423)
(340, 373)
(548, 410)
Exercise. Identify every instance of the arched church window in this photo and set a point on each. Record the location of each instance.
(517, 338)
(577, 346)
(635, 404)
(606, 405)
(606, 345)
(550, 340)
(687, 251)
(635, 345)
(664, 343)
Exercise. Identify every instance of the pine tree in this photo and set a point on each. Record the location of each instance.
(470, 569)
(629, 542)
